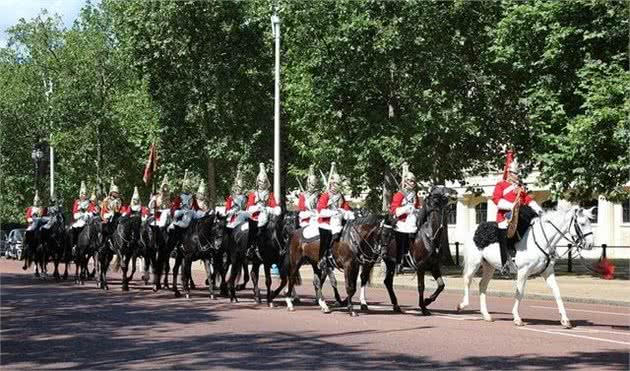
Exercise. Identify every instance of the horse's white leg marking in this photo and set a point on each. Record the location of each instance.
(470, 267)
(289, 301)
(521, 280)
(488, 270)
(323, 305)
(363, 300)
(550, 279)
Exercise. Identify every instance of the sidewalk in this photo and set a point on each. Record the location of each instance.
(577, 288)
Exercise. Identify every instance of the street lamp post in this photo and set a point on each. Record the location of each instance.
(49, 90)
(37, 155)
(275, 26)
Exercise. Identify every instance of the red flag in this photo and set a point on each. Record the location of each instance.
(508, 161)
(151, 165)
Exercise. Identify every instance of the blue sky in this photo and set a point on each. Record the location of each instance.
(12, 10)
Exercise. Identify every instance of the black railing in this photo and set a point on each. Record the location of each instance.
(570, 256)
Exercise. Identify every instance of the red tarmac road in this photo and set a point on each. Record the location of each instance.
(48, 324)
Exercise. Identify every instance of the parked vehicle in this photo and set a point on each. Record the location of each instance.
(14, 250)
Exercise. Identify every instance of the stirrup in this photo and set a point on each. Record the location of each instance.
(509, 268)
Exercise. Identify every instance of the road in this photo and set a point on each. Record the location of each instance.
(48, 324)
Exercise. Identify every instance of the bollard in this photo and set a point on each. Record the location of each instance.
(570, 262)
(457, 254)
(604, 250)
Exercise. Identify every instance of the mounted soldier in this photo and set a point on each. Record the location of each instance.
(135, 207)
(307, 202)
(96, 210)
(35, 213)
(160, 205)
(508, 195)
(261, 203)
(82, 210)
(202, 200)
(184, 206)
(236, 203)
(332, 209)
(112, 204)
(404, 209)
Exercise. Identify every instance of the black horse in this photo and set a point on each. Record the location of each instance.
(423, 250)
(125, 243)
(53, 238)
(105, 251)
(34, 250)
(89, 241)
(197, 243)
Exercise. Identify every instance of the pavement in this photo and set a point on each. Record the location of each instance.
(47, 324)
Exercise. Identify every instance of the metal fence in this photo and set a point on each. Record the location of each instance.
(569, 256)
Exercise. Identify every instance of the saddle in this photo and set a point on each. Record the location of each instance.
(487, 233)
(309, 234)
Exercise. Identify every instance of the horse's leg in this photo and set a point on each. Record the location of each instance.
(550, 279)
(333, 283)
(56, 275)
(389, 284)
(254, 274)
(437, 275)
(521, 280)
(267, 268)
(158, 266)
(488, 271)
(125, 267)
(319, 278)
(187, 276)
(210, 276)
(77, 267)
(421, 302)
(243, 285)
(146, 265)
(366, 270)
(167, 269)
(351, 272)
(178, 262)
(470, 268)
(234, 271)
(293, 268)
(134, 261)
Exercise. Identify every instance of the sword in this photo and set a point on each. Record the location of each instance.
(324, 179)
(300, 185)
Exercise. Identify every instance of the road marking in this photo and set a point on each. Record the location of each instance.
(575, 336)
(583, 310)
(592, 331)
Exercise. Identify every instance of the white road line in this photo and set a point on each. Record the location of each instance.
(583, 310)
(575, 336)
(594, 331)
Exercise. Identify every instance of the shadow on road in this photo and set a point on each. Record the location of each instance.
(55, 326)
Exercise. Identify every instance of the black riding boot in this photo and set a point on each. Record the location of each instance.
(386, 238)
(252, 234)
(325, 237)
(507, 264)
(402, 247)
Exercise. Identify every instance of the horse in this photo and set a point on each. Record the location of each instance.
(88, 242)
(53, 237)
(357, 247)
(105, 251)
(535, 254)
(124, 242)
(423, 250)
(269, 250)
(34, 249)
(161, 266)
(197, 243)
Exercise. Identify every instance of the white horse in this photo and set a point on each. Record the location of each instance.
(535, 254)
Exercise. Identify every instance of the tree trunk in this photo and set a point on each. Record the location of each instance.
(212, 183)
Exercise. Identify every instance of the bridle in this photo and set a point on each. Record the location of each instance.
(363, 256)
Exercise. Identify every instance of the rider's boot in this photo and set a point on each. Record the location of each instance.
(507, 263)
(386, 238)
(325, 237)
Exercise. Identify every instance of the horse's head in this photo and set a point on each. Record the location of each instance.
(369, 227)
(440, 196)
(218, 230)
(581, 229)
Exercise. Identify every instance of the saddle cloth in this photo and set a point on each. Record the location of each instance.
(310, 233)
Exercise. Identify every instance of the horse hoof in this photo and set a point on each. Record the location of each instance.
(106, 288)
(326, 310)
(427, 301)
(187, 296)
(212, 297)
(566, 323)
(177, 294)
(488, 318)
(426, 312)
(125, 288)
(459, 308)
(291, 309)
(82, 283)
(297, 300)
(519, 322)
(270, 305)
(364, 307)
(397, 309)
(353, 314)
(155, 289)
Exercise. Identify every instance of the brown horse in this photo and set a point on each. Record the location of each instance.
(423, 250)
(357, 247)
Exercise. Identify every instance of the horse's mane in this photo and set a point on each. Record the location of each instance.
(557, 214)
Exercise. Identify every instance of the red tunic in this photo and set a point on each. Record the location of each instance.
(177, 204)
(126, 210)
(229, 203)
(302, 206)
(323, 204)
(397, 201)
(29, 213)
(75, 207)
(251, 201)
(507, 191)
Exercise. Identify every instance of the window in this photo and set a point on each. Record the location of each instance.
(549, 205)
(451, 216)
(588, 204)
(481, 212)
(625, 211)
